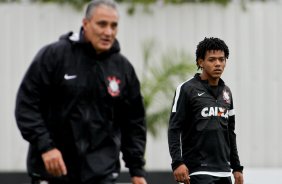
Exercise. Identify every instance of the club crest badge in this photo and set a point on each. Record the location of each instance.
(226, 97)
(113, 86)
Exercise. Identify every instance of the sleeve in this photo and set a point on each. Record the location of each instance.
(133, 141)
(234, 157)
(28, 110)
(177, 117)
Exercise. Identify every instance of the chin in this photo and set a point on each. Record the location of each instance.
(105, 47)
(216, 76)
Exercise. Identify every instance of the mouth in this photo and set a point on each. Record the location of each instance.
(106, 41)
(218, 71)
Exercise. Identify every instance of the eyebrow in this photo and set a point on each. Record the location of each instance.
(216, 57)
(107, 22)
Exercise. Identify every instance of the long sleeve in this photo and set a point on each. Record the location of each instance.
(28, 109)
(134, 128)
(234, 158)
(177, 118)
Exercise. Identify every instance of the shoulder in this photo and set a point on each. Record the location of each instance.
(64, 43)
(227, 88)
(187, 85)
(53, 53)
(119, 57)
(227, 92)
(54, 48)
(118, 60)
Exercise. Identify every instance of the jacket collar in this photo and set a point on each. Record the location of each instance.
(197, 76)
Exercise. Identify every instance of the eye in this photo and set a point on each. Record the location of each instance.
(211, 59)
(102, 23)
(221, 59)
(114, 25)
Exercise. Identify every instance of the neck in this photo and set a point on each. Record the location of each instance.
(211, 81)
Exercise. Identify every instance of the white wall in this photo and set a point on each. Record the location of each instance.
(253, 36)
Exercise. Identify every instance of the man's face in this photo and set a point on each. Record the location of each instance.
(101, 29)
(213, 65)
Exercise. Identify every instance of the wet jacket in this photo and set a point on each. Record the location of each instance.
(201, 128)
(87, 105)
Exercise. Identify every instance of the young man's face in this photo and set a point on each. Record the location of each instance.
(101, 29)
(213, 65)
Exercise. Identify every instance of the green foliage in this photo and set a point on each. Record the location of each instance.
(147, 3)
(78, 4)
(159, 81)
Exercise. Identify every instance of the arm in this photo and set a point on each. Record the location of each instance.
(134, 131)
(29, 112)
(54, 162)
(181, 174)
(238, 176)
(138, 180)
(177, 117)
(234, 157)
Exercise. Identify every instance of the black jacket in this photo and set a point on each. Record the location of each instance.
(88, 106)
(201, 128)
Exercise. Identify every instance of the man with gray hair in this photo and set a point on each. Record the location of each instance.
(79, 105)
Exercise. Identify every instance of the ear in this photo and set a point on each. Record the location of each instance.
(200, 62)
(85, 23)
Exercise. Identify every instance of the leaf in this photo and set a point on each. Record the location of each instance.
(159, 82)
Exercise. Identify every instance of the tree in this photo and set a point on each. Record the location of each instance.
(78, 4)
(159, 81)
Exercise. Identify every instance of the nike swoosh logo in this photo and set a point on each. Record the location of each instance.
(68, 77)
(200, 94)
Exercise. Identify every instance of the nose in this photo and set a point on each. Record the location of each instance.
(108, 30)
(219, 62)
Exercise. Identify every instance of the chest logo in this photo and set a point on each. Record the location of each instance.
(69, 77)
(200, 94)
(215, 111)
(226, 97)
(113, 86)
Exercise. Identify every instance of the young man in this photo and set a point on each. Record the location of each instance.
(79, 105)
(201, 136)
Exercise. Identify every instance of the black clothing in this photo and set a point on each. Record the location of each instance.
(109, 179)
(87, 105)
(201, 128)
(207, 179)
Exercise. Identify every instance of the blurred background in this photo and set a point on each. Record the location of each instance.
(160, 40)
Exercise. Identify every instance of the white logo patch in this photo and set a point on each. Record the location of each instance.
(69, 77)
(215, 111)
(226, 97)
(113, 87)
(200, 94)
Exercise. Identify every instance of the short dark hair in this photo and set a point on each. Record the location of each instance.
(209, 44)
(95, 3)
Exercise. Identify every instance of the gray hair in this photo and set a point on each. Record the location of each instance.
(95, 3)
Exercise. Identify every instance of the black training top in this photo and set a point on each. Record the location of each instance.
(87, 105)
(201, 128)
